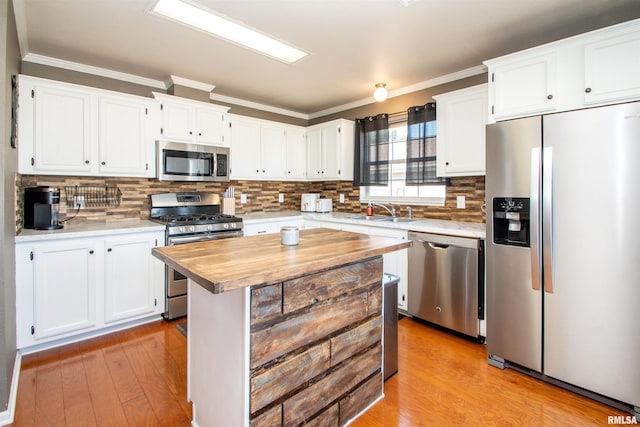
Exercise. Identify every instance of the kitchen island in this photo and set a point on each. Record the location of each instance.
(283, 335)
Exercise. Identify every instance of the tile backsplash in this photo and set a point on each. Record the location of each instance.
(261, 196)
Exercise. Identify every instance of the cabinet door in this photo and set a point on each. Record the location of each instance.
(524, 86)
(62, 131)
(314, 154)
(461, 121)
(125, 147)
(210, 126)
(331, 152)
(273, 151)
(296, 153)
(612, 69)
(64, 287)
(129, 288)
(245, 149)
(178, 121)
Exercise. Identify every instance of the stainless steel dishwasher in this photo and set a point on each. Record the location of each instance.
(446, 281)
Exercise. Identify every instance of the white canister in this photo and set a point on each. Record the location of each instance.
(290, 235)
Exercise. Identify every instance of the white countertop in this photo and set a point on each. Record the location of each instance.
(88, 229)
(423, 225)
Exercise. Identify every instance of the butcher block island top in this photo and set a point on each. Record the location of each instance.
(228, 264)
(283, 335)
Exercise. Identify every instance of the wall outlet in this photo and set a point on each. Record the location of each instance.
(341, 198)
(460, 202)
(78, 202)
(281, 198)
(243, 198)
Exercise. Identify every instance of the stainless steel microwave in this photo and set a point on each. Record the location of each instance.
(179, 161)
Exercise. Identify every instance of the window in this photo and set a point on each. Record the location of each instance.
(396, 191)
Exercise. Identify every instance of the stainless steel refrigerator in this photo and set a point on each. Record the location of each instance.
(563, 249)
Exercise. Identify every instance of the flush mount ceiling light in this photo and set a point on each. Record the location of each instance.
(208, 21)
(380, 94)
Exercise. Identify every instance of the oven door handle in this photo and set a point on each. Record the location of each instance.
(179, 240)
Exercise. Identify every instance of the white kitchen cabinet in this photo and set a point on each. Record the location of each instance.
(595, 68)
(63, 289)
(523, 86)
(266, 227)
(612, 69)
(192, 121)
(330, 151)
(273, 146)
(66, 129)
(126, 127)
(131, 277)
(73, 287)
(296, 153)
(258, 148)
(271, 226)
(54, 128)
(461, 120)
(396, 262)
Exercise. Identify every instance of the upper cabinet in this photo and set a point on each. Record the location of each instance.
(612, 68)
(461, 120)
(192, 121)
(65, 129)
(596, 68)
(330, 151)
(512, 98)
(263, 149)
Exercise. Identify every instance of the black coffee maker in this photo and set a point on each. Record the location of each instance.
(41, 208)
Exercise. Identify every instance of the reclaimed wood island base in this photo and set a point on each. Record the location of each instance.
(283, 335)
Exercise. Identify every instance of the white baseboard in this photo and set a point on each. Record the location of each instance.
(6, 417)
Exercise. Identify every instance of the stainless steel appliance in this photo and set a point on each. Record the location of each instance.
(179, 161)
(189, 217)
(446, 281)
(41, 208)
(563, 277)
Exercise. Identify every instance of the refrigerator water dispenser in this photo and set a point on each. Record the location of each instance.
(511, 221)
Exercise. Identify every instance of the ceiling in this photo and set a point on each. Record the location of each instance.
(353, 44)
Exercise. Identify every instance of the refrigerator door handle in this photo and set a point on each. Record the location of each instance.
(547, 219)
(534, 219)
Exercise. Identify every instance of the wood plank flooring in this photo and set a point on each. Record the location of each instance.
(138, 378)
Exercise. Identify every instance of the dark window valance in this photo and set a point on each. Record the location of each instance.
(421, 145)
(371, 157)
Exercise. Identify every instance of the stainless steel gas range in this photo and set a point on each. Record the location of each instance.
(189, 217)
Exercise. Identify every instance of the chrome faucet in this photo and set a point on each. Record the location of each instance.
(391, 211)
(410, 212)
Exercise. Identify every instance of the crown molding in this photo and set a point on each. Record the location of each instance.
(103, 72)
(473, 71)
(258, 106)
(191, 83)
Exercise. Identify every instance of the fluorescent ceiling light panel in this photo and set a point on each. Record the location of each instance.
(208, 21)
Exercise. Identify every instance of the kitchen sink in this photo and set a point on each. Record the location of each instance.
(390, 219)
(358, 217)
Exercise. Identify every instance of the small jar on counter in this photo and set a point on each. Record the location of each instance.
(289, 235)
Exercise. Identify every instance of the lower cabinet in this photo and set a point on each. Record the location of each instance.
(271, 226)
(74, 286)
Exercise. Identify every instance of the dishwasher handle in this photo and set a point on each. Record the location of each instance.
(438, 245)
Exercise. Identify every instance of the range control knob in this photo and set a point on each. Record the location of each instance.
(181, 229)
(192, 229)
(226, 225)
(209, 227)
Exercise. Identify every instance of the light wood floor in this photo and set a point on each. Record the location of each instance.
(138, 378)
